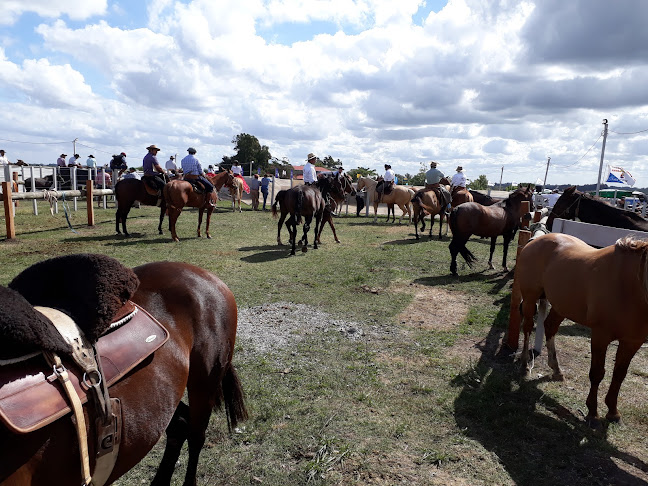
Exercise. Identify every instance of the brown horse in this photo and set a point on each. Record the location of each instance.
(180, 193)
(474, 219)
(460, 195)
(200, 315)
(484, 199)
(236, 192)
(299, 201)
(400, 195)
(425, 202)
(128, 191)
(575, 204)
(605, 290)
(338, 196)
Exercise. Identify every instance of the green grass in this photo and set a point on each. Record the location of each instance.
(406, 404)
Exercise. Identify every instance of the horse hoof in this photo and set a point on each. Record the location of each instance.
(160, 232)
(292, 252)
(593, 422)
(304, 249)
(209, 237)
(490, 266)
(614, 418)
(558, 377)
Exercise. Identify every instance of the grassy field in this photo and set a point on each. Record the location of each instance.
(420, 396)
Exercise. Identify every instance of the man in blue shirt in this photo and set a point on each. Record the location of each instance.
(265, 184)
(192, 170)
(153, 172)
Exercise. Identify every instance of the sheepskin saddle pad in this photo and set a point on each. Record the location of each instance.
(94, 290)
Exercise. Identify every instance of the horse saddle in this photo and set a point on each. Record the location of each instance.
(150, 188)
(196, 185)
(32, 397)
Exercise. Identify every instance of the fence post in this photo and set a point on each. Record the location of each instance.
(8, 209)
(73, 177)
(14, 176)
(273, 189)
(91, 216)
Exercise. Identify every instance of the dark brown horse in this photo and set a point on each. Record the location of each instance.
(299, 201)
(425, 202)
(128, 191)
(575, 204)
(484, 199)
(42, 182)
(474, 219)
(338, 195)
(605, 290)
(180, 193)
(200, 315)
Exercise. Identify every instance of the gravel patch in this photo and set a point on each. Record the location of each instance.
(270, 327)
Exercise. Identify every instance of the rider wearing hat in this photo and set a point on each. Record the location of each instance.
(432, 178)
(310, 175)
(459, 179)
(192, 170)
(153, 172)
(387, 183)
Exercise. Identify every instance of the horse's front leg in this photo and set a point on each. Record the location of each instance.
(200, 217)
(177, 433)
(162, 213)
(599, 345)
(441, 217)
(173, 217)
(307, 223)
(210, 210)
(376, 211)
(507, 242)
(279, 226)
(492, 250)
(551, 324)
(626, 351)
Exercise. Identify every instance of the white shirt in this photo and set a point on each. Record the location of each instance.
(389, 176)
(237, 170)
(72, 160)
(171, 165)
(459, 179)
(4, 160)
(90, 162)
(310, 175)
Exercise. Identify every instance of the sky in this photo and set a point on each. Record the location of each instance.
(498, 87)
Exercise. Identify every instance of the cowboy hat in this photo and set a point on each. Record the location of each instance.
(459, 168)
(63, 155)
(150, 147)
(387, 166)
(91, 156)
(433, 164)
(311, 157)
(191, 150)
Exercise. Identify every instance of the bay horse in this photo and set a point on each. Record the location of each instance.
(574, 204)
(474, 219)
(128, 191)
(425, 202)
(42, 182)
(338, 196)
(400, 195)
(460, 195)
(199, 312)
(300, 201)
(604, 289)
(483, 199)
(180, 193)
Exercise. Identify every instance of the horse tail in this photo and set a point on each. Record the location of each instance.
(233, 398)
(278, 199)
(298, 207)
(460, 243)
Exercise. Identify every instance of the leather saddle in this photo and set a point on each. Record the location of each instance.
(31, 396)
(151, 190)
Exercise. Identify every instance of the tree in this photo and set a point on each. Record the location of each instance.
(480, 183)
(418, 179)
(361, 171)
(329, 163)
(248, 149)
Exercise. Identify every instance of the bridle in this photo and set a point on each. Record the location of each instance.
(568, 208)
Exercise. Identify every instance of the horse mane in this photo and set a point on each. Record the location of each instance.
(606, 210)
(633, 244)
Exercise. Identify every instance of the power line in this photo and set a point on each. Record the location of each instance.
(582, 157)
(95, 149)
(33, 143)
(629, 133)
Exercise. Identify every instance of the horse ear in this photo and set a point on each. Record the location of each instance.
(570, 190)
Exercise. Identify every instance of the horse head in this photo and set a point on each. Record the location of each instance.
(565, 207)
(347, 185)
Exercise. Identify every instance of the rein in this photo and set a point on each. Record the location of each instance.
(566, 210)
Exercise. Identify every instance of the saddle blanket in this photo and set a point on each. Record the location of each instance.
(31, 396)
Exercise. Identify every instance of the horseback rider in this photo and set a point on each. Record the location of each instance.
(310, 175)
(153, 172)
(459, 179)
(193, 171)
(386, 185)
(432, 178)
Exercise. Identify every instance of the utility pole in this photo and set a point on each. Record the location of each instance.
(605, 132)
(546, 172)
(501, 174)
(74, 146)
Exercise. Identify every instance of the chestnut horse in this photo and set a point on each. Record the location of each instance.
(605, 290)
(180, 193)
(300, 201)
(200, 315)
(460, 195)
(474, 219)
(425, 202)
(128, 191)
(400, 195)
(575, 204)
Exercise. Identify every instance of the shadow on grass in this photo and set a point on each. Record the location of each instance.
(270, 253)
(498, 281)
(533, 446)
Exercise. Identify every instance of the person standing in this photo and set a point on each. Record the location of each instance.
(310, 174)
(61, 160)
(255, 184)
(90, 162)
(171, 166)
(265, 185)
(192, 170)
(153, 172)
(432, 179)
(459, 179)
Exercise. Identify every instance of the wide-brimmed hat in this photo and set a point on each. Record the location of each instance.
(433, 164)
(191, 150)
(152, 147)
(311, 157)
(387, 166)
(91, 156)
(340, 168)
(63, 155)
(459, 168)
(172, 157)
(2, 151)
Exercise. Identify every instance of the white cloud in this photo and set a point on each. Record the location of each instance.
(10, 10)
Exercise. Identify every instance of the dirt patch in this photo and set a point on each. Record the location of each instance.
(434, 308)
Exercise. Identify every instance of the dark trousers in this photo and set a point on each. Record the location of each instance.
(209, 187)
(156, 181)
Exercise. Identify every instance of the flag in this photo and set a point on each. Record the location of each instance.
(291, 173)
(259, 171)
(276, 172)
(619, 175)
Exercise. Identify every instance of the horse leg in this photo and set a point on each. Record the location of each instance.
(454, 250)
(291, 224)
(492, 249)
(173, 217)
(551, 324)
(177, 432)
(319, 224)
(376, 211)
(307, 223)
(210, 210)
(415, 218)
(507, 241)
(599, 345)
(162, 213)
(441, 217)
(625, 353)
(281, 222)
(200, 217)
(528, 308)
